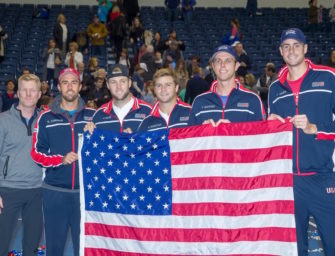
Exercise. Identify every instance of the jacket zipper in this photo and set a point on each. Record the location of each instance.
(296, 100)
(5, 168)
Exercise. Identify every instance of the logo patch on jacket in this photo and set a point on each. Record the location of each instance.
(242, 104)
(184, 118)
(142, 116)
(318, 84)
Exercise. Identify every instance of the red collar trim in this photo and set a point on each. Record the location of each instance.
(110, 105)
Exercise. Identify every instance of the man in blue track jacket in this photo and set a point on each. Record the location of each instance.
(55, 143)
(227, 100)
(305, 93)
(169, 111)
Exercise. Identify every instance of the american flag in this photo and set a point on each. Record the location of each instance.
(190, 191)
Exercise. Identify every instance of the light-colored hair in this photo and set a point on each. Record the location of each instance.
(163, 72)
(29, 77)
(61, 16)
(74, 45)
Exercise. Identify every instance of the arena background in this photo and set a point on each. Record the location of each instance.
(315, 245)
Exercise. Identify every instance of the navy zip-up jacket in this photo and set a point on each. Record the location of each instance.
(242, 105)
(316, 100)
(55, 135)
(105, 117)
(179, 117)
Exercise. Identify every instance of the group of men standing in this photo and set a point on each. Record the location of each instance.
(303, 95)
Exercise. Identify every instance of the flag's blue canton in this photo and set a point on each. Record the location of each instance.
(127, 173)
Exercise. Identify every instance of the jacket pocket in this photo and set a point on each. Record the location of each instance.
(4, 162)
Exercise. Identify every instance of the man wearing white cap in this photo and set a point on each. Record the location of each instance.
(55, 143)
(227, 100)
(304, 93)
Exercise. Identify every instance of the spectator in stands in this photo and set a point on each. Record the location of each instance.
(149, 93)
(26, 71)
(61, 34)
(81, 38)
(101, 72)
(114, 13)
(181, 74)
(222, 103)
(92, 65)
(158, 60)
(173, 54)
(3, 37)
(331, 61)
(149, 59)
(210, 77)
(103, 11)
(86, 80)
(51, 60)
(136, 35)
(9, 97)
(196, 86)
(55, 148)
(46, 94)
(124, 59)
(138, 81)
(234, 35)
(264, 82)
(97, 32)
(172, 9)
(173, 38)
(99, 94)
(158, 43)
(21, 178)
(118, 28)
(320, 14)
(187, 6)
(73, 57)
(109, 3)
(313, 15)
(132, 10)
(245, 61)
(194, 64)
(250, 82)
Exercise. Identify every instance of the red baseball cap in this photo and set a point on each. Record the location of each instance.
(68, 71)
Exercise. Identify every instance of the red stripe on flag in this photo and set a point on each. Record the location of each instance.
(232, 129)
(231, 156)
(105, 252)
(192, 235)
(233, 183)
(231, 209)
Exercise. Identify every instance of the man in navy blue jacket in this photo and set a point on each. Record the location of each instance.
(305, 94)
(55, 143)
(227, 100)
(169, 111)
(124, 113)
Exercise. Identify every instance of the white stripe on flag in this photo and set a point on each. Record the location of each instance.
(206, 248)
(195, 222)
(232, 170)
(232, 196)
(231, 142)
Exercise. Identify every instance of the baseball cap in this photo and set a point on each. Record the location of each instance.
(235, 43)
(144, 66)
(227, 49)
(117, 70)
(293, 33)
(68, 71)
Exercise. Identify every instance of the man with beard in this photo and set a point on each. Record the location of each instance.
(169, 111)
(123, 113)
(55, 143)
(304, 93)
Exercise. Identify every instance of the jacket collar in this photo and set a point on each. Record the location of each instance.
(110, 105)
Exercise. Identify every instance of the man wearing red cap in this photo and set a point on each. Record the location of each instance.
(55, 142)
